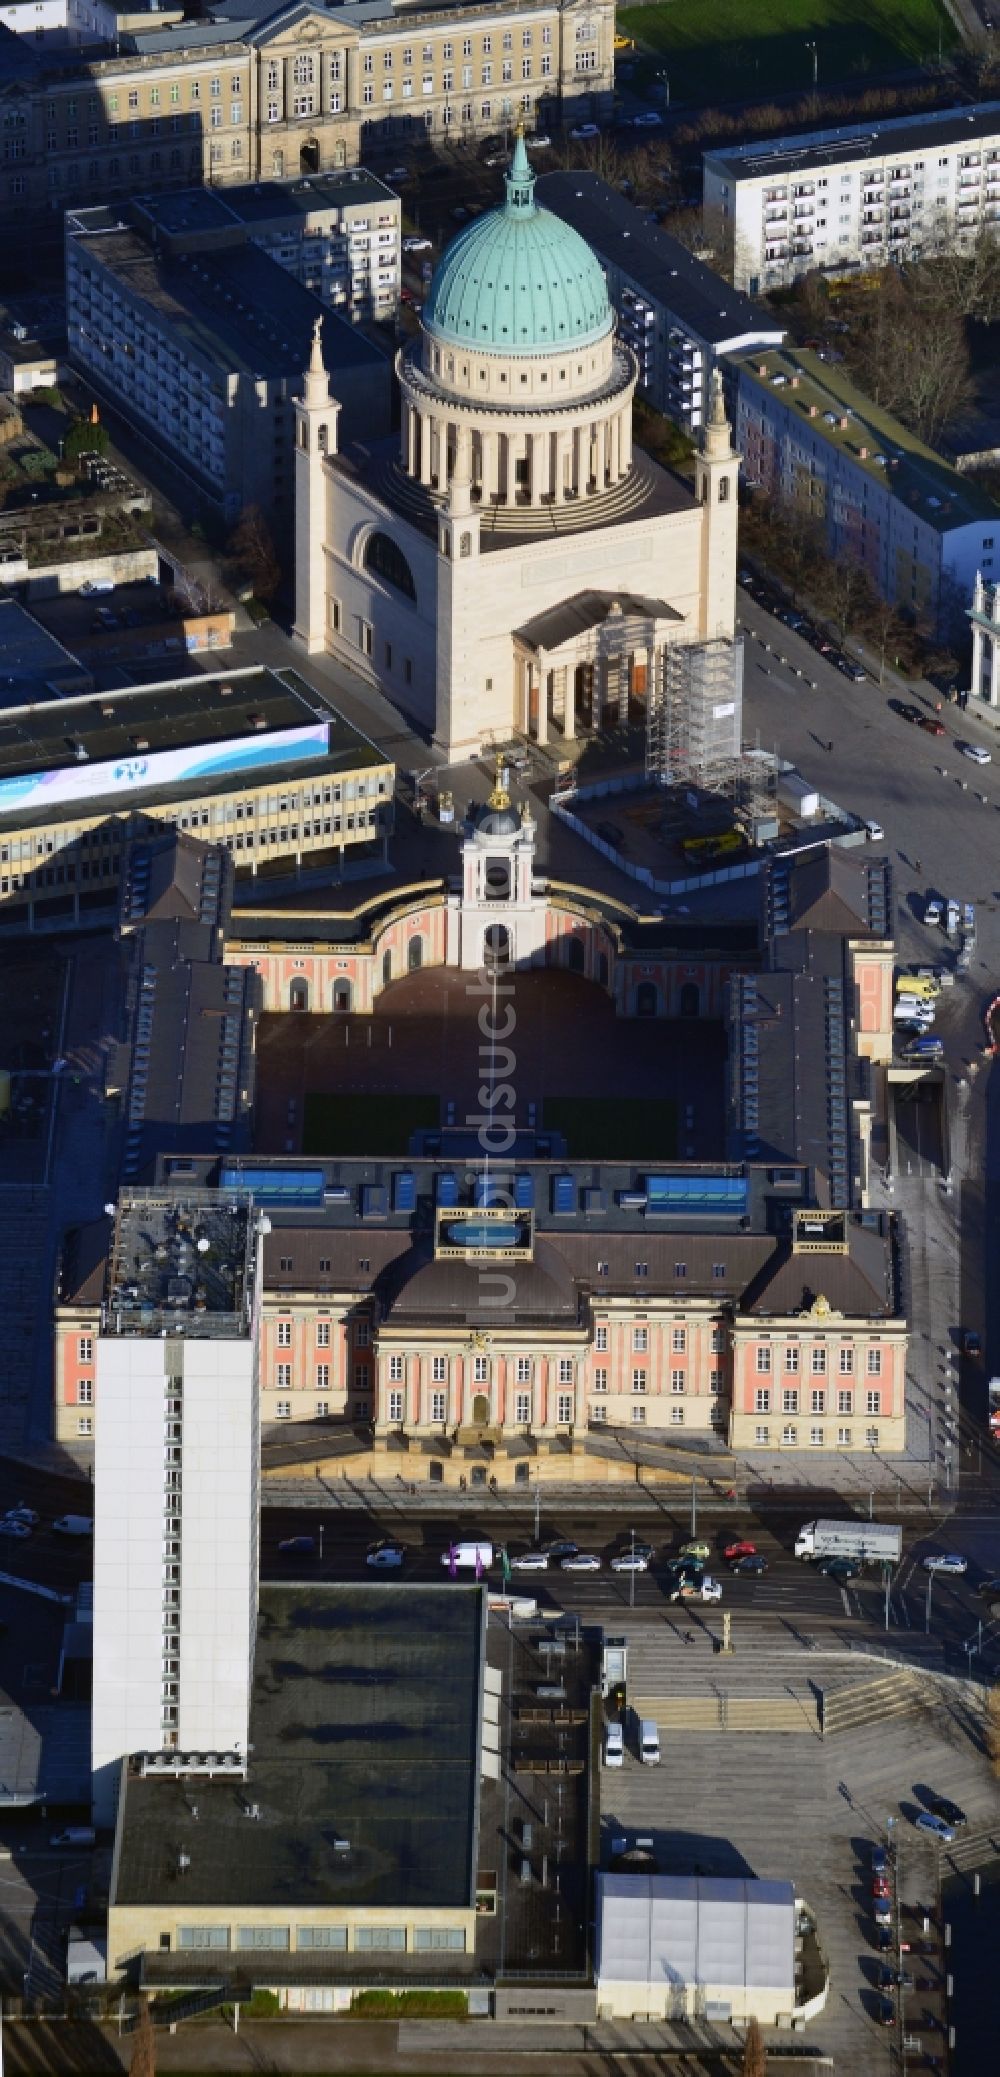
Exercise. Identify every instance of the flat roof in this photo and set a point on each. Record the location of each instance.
(181, 1263)
(664, 268)
(364, 1766)
(173, 715)
(878, 140)
(896, 459)
(722, 1932)
(33, 666)
(236, 308)
(267, 201)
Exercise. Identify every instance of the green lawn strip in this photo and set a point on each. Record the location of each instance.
(714, 50)
(614, 1128)
(352, 1124)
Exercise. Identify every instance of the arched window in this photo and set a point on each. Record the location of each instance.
(385, 560)
(415, 954)
(342, 995)
(575, 955)
(645, 1000)
(386, 968)
(298, 995)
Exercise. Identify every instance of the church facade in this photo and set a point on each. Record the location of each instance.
(518, 567)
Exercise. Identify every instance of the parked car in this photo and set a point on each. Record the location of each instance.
(988, 1588)
(946, 1561)
(629, 1561)
(583, 131)
(882, 1910)
(697, 1548)
(648, 120)
(641, 1548)
(926, 1047)
(977, 752)
(530, 1561)
(614, 1745)
(880, 1860)
(742, 1549)
(538, 142)
(874, 832)
(562, 1547)
(933, 912)
(581, 1561)
(933, 726)
(20, 1513)
(74, 1525)
(884, 2012)
(906, 709)
(296, 1546)
(881, 1886)
(385, 1557)
(17, 1531)
(928, 1821)
(418, 245)
(755, 1565)
(950, 1813)
(883, 1934)
(972, 1345)
(838, 1568)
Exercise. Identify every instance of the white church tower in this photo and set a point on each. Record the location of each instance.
(316, 416)
(459, 606)
(499, 919)
(716, 481)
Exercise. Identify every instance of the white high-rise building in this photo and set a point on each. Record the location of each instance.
(176, 1475)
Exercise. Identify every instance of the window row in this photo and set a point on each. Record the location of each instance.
(361, 1334)
(819, 1438)
(818, 1360)
(791, 1398)
(370, 1939)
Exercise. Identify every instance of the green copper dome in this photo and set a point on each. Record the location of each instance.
(518, 280)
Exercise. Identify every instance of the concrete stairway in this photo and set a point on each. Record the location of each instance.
(853, 1704)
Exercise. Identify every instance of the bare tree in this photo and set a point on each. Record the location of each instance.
(143, 2062)
(844, 591)
(993, 1729)
(251, 561)
(754, 2051)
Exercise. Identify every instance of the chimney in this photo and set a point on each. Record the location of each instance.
(813, 410)
(863, 453)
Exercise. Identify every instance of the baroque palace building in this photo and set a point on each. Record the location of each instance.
(515, 565)
(494, 1314)
(258, 92)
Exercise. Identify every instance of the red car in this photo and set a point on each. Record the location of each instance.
(934, 728)
(740, 1550)
(880, 1886)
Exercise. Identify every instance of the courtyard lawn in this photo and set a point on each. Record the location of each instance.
(614, 1128)
(733, 50)
(352, 1125)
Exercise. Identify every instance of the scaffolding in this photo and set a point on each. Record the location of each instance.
(694, 717)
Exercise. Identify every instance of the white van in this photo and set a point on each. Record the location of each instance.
(468, 1557)
(649, 1742)
(614, 1745)
(952, 919)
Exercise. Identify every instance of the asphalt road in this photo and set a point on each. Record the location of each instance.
(790, 1590)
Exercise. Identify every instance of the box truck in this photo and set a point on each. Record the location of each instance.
(868, 1543)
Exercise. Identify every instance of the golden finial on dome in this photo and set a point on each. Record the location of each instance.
(500, 797)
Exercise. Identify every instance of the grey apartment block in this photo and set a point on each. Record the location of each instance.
(203, 352)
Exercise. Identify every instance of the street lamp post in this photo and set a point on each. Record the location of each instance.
(814, 47)
(321, 1543)
(631, 1576)
(538, 1510)
(928, 1604)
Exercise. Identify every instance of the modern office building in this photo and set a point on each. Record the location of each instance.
(535, 566)
(249, 758)
(678, 315)
(176, 1484)
(851, 199)
(809, 436)
(256, 91)
(349, 1854)
(203, 350)
(337, 234)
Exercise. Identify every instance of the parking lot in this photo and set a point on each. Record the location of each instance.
(809, 1810)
